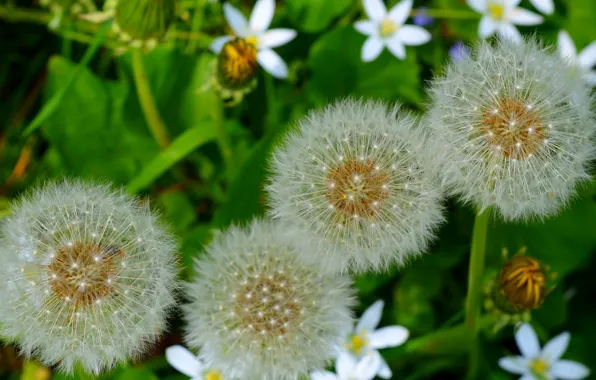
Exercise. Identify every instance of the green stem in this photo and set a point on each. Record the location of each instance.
(197, 20)
(223, 140)
(154, 121)
(475, 287)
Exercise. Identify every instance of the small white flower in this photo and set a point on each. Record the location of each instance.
(366, 339)
(187, 363)
(348, 368)
(536, 364)
(386, 29)
(500, 16)
(585, 60)
(255, 31)
(545, 6)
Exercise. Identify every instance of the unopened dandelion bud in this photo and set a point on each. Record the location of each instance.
(522, 284)
(87, 276)
(512, 128)
(356, 178)
(145, 20)
(258, 312)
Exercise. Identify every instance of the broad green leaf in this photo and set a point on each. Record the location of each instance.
(312, 16)
(134, 373)
(177, 150)
(87, 129)
(580, 22)
(338, 71)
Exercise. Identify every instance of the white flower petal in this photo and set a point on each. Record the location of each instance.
(521, 16)
(372, 316)
(527, 376)
(272, 63)
(384, 370)
(487, 27)
(184, 361)
(544, 6)
(396, 47)
(591, 78)
(514, 364)
(371, 49)
(276, 37)
(509, 32)
(413, 35)
(477, 5)
(587, 58)
(375, 9)
(367, 27)
(345, 365)
(236, 20)
(569, 370)
(527, 341)
(261, 15)
(218, 43)
(368, 366)
(400, 12)
(556, 347)
(391, 336)
(565, 45)
(323, 375)
(511, 3)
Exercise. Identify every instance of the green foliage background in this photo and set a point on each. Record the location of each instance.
(97, 130)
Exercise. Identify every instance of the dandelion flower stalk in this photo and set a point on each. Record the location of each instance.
(475, 288)
(152, 116)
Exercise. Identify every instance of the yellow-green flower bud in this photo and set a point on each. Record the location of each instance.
(144, 20)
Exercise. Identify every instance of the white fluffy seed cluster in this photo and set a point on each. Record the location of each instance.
(512, 128)
(87, 276)
(355, 178)
(258, 312)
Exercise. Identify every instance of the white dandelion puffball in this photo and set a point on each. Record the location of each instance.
(259, 313)
(87, 276)
(355, 177)
(512, 127)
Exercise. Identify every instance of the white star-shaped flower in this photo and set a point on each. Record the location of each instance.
(544, 6)
(387, 29)
(500, 16)
(537, 364)
(366, 339)
(185, 362)
(255, 31)
(585, 60)
(348, 368)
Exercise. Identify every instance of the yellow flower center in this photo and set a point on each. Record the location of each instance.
(357, 343)
(213, 375)
(388, 27)
(496, 11)
(253, 40)
(237, 63)
(539, 367)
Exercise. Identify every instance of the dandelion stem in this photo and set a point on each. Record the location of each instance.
(154, 121)
(197, 20)
(475, 288)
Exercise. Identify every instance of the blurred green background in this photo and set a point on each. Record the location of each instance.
(91, 125)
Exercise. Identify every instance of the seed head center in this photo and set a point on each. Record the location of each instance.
(82, 273)
(268, 305)
(237, 62)
(513, 129)
(356, 188)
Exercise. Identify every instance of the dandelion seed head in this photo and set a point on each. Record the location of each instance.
(375, 204)
(259, 312)
(511, 125)
(68, 299)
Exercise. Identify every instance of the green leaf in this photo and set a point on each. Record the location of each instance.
(312, 16)
(132, 373)
(87, 129)
(52, 105)
(580, 24)
(338, 71)
(177, 209)
(177, 150)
